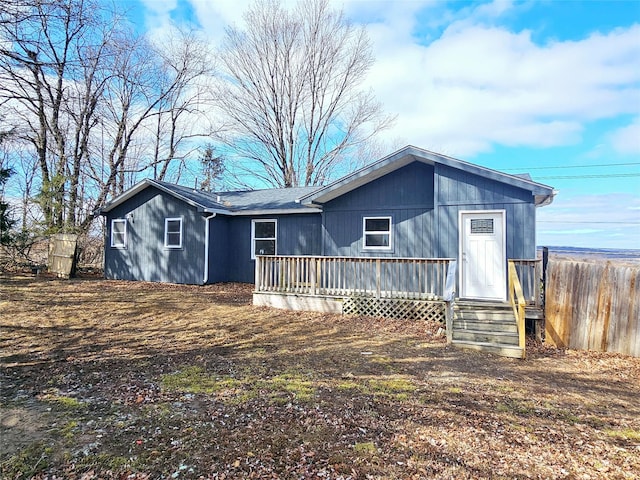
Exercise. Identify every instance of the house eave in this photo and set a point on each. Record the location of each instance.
(142, 185)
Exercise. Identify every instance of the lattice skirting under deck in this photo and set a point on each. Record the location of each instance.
(394, 308)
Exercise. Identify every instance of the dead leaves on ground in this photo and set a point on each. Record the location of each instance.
(133, 381)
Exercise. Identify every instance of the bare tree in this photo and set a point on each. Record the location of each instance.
(291, 99)
(51, 76)
(96, 104)
(186, 63)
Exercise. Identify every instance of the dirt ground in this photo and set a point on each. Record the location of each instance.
(113, 379)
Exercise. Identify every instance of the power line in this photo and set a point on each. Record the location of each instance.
(571, 166)
(604, 175)
(590, 222)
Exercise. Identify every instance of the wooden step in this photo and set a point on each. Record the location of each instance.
(497, 349)
(506, 315)
(503, 326)
(492, 337)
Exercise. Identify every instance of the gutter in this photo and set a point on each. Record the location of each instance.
(206, 248)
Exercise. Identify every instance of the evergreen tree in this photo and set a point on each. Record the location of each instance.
(212, 169)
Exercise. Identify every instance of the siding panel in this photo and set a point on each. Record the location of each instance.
(298, 234)
(145, 257)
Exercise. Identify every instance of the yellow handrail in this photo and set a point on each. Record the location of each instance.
(518, 303)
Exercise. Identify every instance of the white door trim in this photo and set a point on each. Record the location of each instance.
(461, 239)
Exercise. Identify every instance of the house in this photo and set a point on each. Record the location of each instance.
(411, 204)
(397, 238)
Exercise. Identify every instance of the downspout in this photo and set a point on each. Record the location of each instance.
(206, 248)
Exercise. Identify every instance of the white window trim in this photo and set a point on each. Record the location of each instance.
(166, 232)
(253, 235)
(124, 239)
(375, 232)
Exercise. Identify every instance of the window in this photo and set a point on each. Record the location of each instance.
(482, 225)
(173, 232)
(118, 233)
(377, 233)
(263, 237)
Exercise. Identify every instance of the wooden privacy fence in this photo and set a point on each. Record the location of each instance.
(593, 306)
(399, 278)
(63, 249)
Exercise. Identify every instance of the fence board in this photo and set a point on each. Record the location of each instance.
(593, 306)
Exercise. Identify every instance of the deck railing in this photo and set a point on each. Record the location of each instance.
(529, 272)
(409, 278)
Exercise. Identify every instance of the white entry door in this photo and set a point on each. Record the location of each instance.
(483, 255)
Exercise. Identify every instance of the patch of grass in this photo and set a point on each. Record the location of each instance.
(301, 387)
(348, 385)
(365, 448)
(398, 388)
(627, 434)
(63, 401)
(105, 461)
(193, 379)
(517, 407)
(27, 462)
(68, 430)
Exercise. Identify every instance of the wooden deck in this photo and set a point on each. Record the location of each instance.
(404, 288)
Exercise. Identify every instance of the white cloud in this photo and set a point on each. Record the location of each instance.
(462, 82)
(158, 12)
(478, 85)
(627, 139)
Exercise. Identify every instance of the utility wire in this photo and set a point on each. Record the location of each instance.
(589, 222)
(571, 166)
(604, 175)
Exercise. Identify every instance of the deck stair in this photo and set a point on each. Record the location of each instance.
(487, 327)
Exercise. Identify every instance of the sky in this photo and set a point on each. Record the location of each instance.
(551, 88)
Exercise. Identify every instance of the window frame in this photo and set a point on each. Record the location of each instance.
(166, 232)
(366, 232)
(124, 233)
(254, 238)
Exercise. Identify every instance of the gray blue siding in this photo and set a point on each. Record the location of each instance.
(145, 256)
(298, 234)
(406, 195)
(424, 202)
(459, 190)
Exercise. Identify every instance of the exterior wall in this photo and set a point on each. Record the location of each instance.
(145, 256)
(424, 202)
(459, 190)
(298, 234)
(406, 195)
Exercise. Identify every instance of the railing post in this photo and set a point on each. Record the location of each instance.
(516, 297)
(312, 274)
(377, 278)
(449, 296)
(257, 274)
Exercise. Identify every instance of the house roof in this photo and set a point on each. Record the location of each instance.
(543, 193)
(310, 199)
(246, 202)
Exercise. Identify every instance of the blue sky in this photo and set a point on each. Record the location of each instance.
(546, 87)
